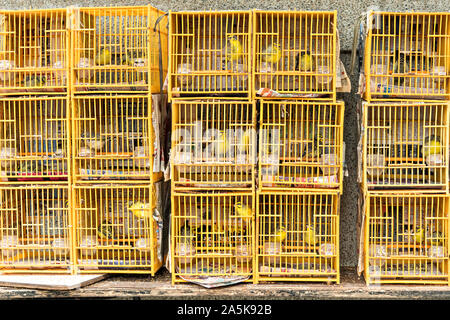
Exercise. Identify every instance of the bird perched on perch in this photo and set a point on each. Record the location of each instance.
(141, 210)
(431, 145)
(272, 53)
(280, 234)
(186, 233)
(34, 81)
(436, 238)
(418, 235)
(103, 57)
(92, 140)
(400, 65)
(310, 236)
(105, 230)
(233, 49)
(243, 211)
(222, 144)
(312, 148)
(304, 62)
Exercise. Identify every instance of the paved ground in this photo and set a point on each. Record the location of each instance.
(159, 287)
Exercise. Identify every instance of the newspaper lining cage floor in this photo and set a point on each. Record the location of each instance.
(407, 55)
(297, 237)
(295, 53)
(406, 238)
(213, 144)
(34, 51)
(35, 229)
(118, 49)
(301, 145)
(34, 139)
(113, 138)
(405, 145)
(117, 229)
(210, 54)
(212, 237)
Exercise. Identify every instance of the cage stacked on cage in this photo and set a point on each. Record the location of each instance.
(213, 155)
(119, 56)
(301, 149)
(404, 146)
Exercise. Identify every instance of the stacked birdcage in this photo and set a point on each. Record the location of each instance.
(300, 146)
(213, 154)
(118, 58)
(404, 147)
(34, 142)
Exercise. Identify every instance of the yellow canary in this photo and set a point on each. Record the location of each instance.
(234, 49)
(432, 145)
(419, 235)
(34, 81)
(280, 235)
(304, 62)
(243, 211)
(310, 236)
(103, 57)
(105, 230)
(141, 210)
(272, 53)
(222, 144)
(244, 141)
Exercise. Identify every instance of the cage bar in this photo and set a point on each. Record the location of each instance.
(213, 144)
(295, 53)
(118, 49)
(301, 145)
(297, 236)
(212, 235)
(407, 55)
(210, 54)
(406, 238)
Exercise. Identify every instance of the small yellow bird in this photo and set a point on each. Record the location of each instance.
(103, 57)
(243, 211)
(234, 49)
(141, 210)
(432, 145)
(105, 230)
(244, 141)
(419, 235)
(310, 236)
(222, 144)
(280, 235)
(305, 62)
(272, 53)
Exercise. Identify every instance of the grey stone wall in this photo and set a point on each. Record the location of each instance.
(348, 12)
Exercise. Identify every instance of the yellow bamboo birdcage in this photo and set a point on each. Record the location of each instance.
(213, 144)
(34, 139)
(212, 235)
(295, 53)
(301, 145)
(297, 236)
(113, 138)
(405, 145)
(34, 55)
(118, 49)
(407, 55)
(406, 238)
(35, 229)
(117, 229)
(210, 54)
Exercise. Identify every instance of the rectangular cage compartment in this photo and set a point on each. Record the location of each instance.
(34, 55)
(297, 237)
(406, 239)
(212, 236)
(295, 53)
(301, 145)
(35, 229)
(213, 144)
(406, 145)
(118, 49)
(408, 55)
(34, 135)
(113, 138)
(117, 229)
(210, 54)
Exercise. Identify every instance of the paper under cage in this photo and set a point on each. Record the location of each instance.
(295, 53)
(35, 229)
(408, 55)
(117, 229)
(213, 144)
(297, 237)
(301, 145)
(212, 236)
(34, 133)
(113, 138)
(210, 53)
(118, 49)
(406, 239)
(33, 51)
(406, 145)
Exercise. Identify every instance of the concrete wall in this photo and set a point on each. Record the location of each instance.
(348, 11)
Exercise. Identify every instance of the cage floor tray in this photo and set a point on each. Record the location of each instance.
(50, 281)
